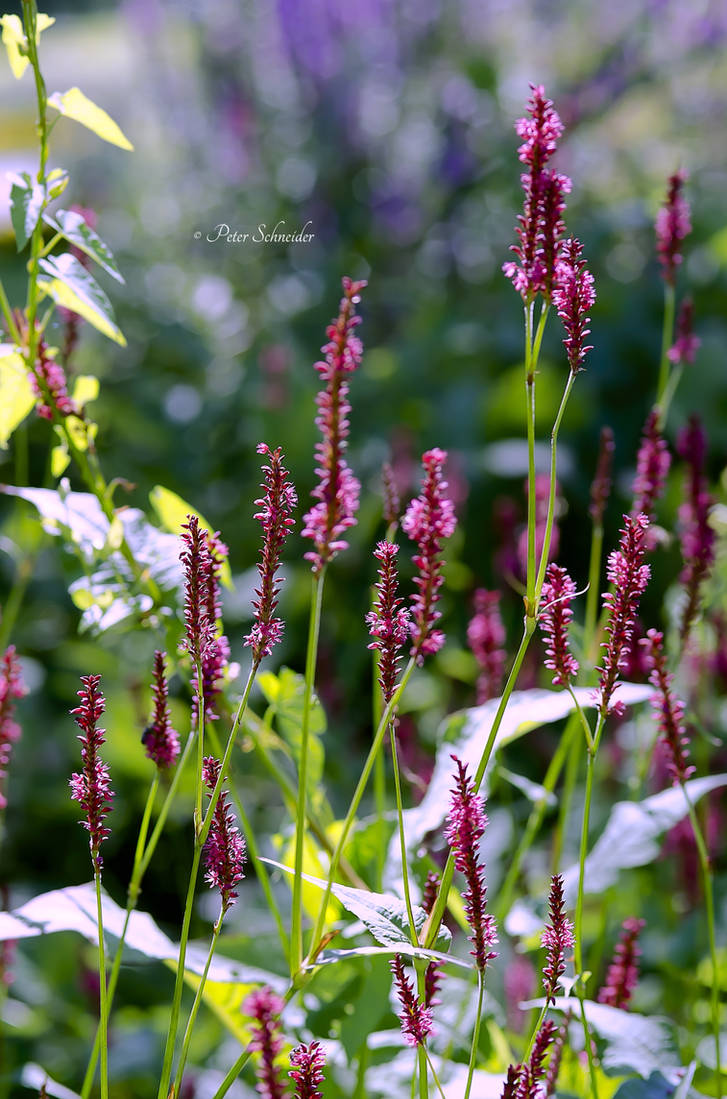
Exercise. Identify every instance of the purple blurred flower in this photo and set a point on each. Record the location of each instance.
(388, 622)
(601, 486)
(392, 501)
(416, 1018)
(652, 467)
(686, 344)
(629, 576)
(160, 739)
(672, 226)
(557, 939)
(554, 619)
(623, 972)
(265, 1008)
(11, 688)
(668, 708)
(486, 639)
(519, 984)
(307, 1070)
(224, 851)
(573, 296)
(556, 1054)
(91, 787)
(697, 534)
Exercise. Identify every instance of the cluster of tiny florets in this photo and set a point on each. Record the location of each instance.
(224, 852)
(554, 619)
(557, 939)
(486, 639)
(415, 1017)
(601, 486)
(160, 739)
(685, 346)
(669, 709)
(652, 467)
(623, 972)
(573, 297)
(628, 576)
(388, 622)
(91, 787)
(673, 224)
(307, 1063)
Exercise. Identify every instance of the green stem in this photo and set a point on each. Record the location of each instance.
(588, 1042)
(594, 585)
(200, 747)
(476, 1034)
(530, 422)
(434, 1073)
(196, 1005)
(402, 836)
(569, 784)
(296, 927)
(8, 315)
(667, 338)
(103, 1004)
(553, 481)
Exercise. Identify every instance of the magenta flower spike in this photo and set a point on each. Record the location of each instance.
(11, 688)
(556, 1056)
(523, 1081)
(466, 824)
(429, 519)
(623, 972)
(673, 224)
(160, 739)
(652, 466)
(558, 938)
(197, 566)
(416, 1018)
(601, 486)
(573, 297)
(224, 850)
(669, 710)
(277, 504)
(307, 1070)
(554, 619)
(486, 639)
(510, 1089)
(337, 491)
(265, 1008)
(686, 344)
(629, 577)
(91, 787)
(697, 534)
(388, 622)
(49, 383)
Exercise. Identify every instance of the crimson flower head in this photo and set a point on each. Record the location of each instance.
(523, 1080)
(601, 486)
(429, 519)
(91, 787)
(388, 622)
(160, 739)
(697, 534)
(686, 344)
(224, 851)
(415, 1017)
(628, 576)
(337, 491)
(49, 385)
(265, 1008)
(486, 639)
(198, 567)
(554, 618)
(573, 297)
(673, 224)
(277, 504)
(652, 467)
(623, 972)
(307, 1070)
(466, 824)
(669, 710)
(11, 688)
(557, 939)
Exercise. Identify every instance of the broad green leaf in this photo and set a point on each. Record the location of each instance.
(631, 835)
(74, 104)
(656, 1087)
(69, 284)
(172, 512)
(15, 42)
(34, 1078)
(75, 229)
(285, 694)
(16, 393)
(26, 203)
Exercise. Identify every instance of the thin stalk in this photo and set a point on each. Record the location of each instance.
(8, 316)
(379, 777)
(588, 1044)
(434, 1073)
(566, 797)
(530, 424)
(594, 584)
(296, 928)
(103, 1004)
(422, 1057)
(402, 837)
(196, 1005)
(551, 498)
(200, 746)
(475, 1034)
(667, 338)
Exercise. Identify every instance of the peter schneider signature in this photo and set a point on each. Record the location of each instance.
(279, 234)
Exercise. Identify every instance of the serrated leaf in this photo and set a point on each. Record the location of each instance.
(26, 203)
(68, 282)
(16, 393)
(631, 834)
(172, 512)
(74, 104)
(75, 229)
(15, 42)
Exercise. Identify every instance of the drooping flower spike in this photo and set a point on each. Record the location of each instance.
(486, 639)
(673, 224)
(428, 521)
(557, 938)
(91, 787)
(554, 618)
(669, 709)
(388, 622)
(697, 534)
(629, 576)
(337, 491)
(573, 297)
(224, 851)
(11, 688)
(277, 504)
(307, 1063)
(415, 1017)
(466, 824)
(265, 1008)
(686, 344)
(623, 972)
(160, 739)
(652, 467)
(601, 486)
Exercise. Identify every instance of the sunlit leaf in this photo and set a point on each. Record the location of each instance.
(172, 512)
(284, 693)
(26, 203)
(74, 104)
(85, 390)
(75, 229)
(68, 282)
(16, 393)
(15, 42)
(34, 1078)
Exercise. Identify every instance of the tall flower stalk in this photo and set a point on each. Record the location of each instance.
(673, 225)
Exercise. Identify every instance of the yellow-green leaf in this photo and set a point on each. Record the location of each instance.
(59, 462)
(172, 512)
(15, 42)
(70, 285)
(74, 104)
(16, 394)
(85, 390)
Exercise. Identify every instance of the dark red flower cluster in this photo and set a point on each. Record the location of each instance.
(466, 824)
(265, 1008)
(673, 224)
(523, 1081)
(49, 384)
(601, 486)
(337, 491)
(486, 639)
(652, 467)
(198, 569)
(623, 972)
(277, 504)
(388, 622)
(429, 519)
(697, 534)
(668, 708)
(573, 296)
(91, 788)
(11, 688)
(557, 939)
(628, 576)
(224, 851)
(160, 739)
(415, 1017)
(554, 618)
(307, 1070)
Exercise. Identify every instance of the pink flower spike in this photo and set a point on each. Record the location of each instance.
(198, 567)
(11, 688)
(486, 639)
(652, 467)
(623, 972)
(601, 487)
(686, 345)
(160, 739)
(392, 501)
(416, 1019)
(573, 297)
(91, 787)
(49, 383)
(554, 619)
(429, 519)
(673, 224)
(307, 1070)
(669, 710)
(265, 1008)
(557, 939)
(224, 851)
(388, 622)
(629, 577)
(337, 491)
(275, 516)
(698, 536)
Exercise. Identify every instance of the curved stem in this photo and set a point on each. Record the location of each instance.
(195, 1006)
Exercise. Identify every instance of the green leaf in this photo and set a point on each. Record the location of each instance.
(533, 791)
(172, 512)
(34, 1078)
(75, 229)
(330, 957)
(285, 693)
(656, 1087)
(16, 393)
(85, 390)
(631, 834)
(16, 43)
(26, 203)
(706, 1052)
(69, 284)
(74, 104)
